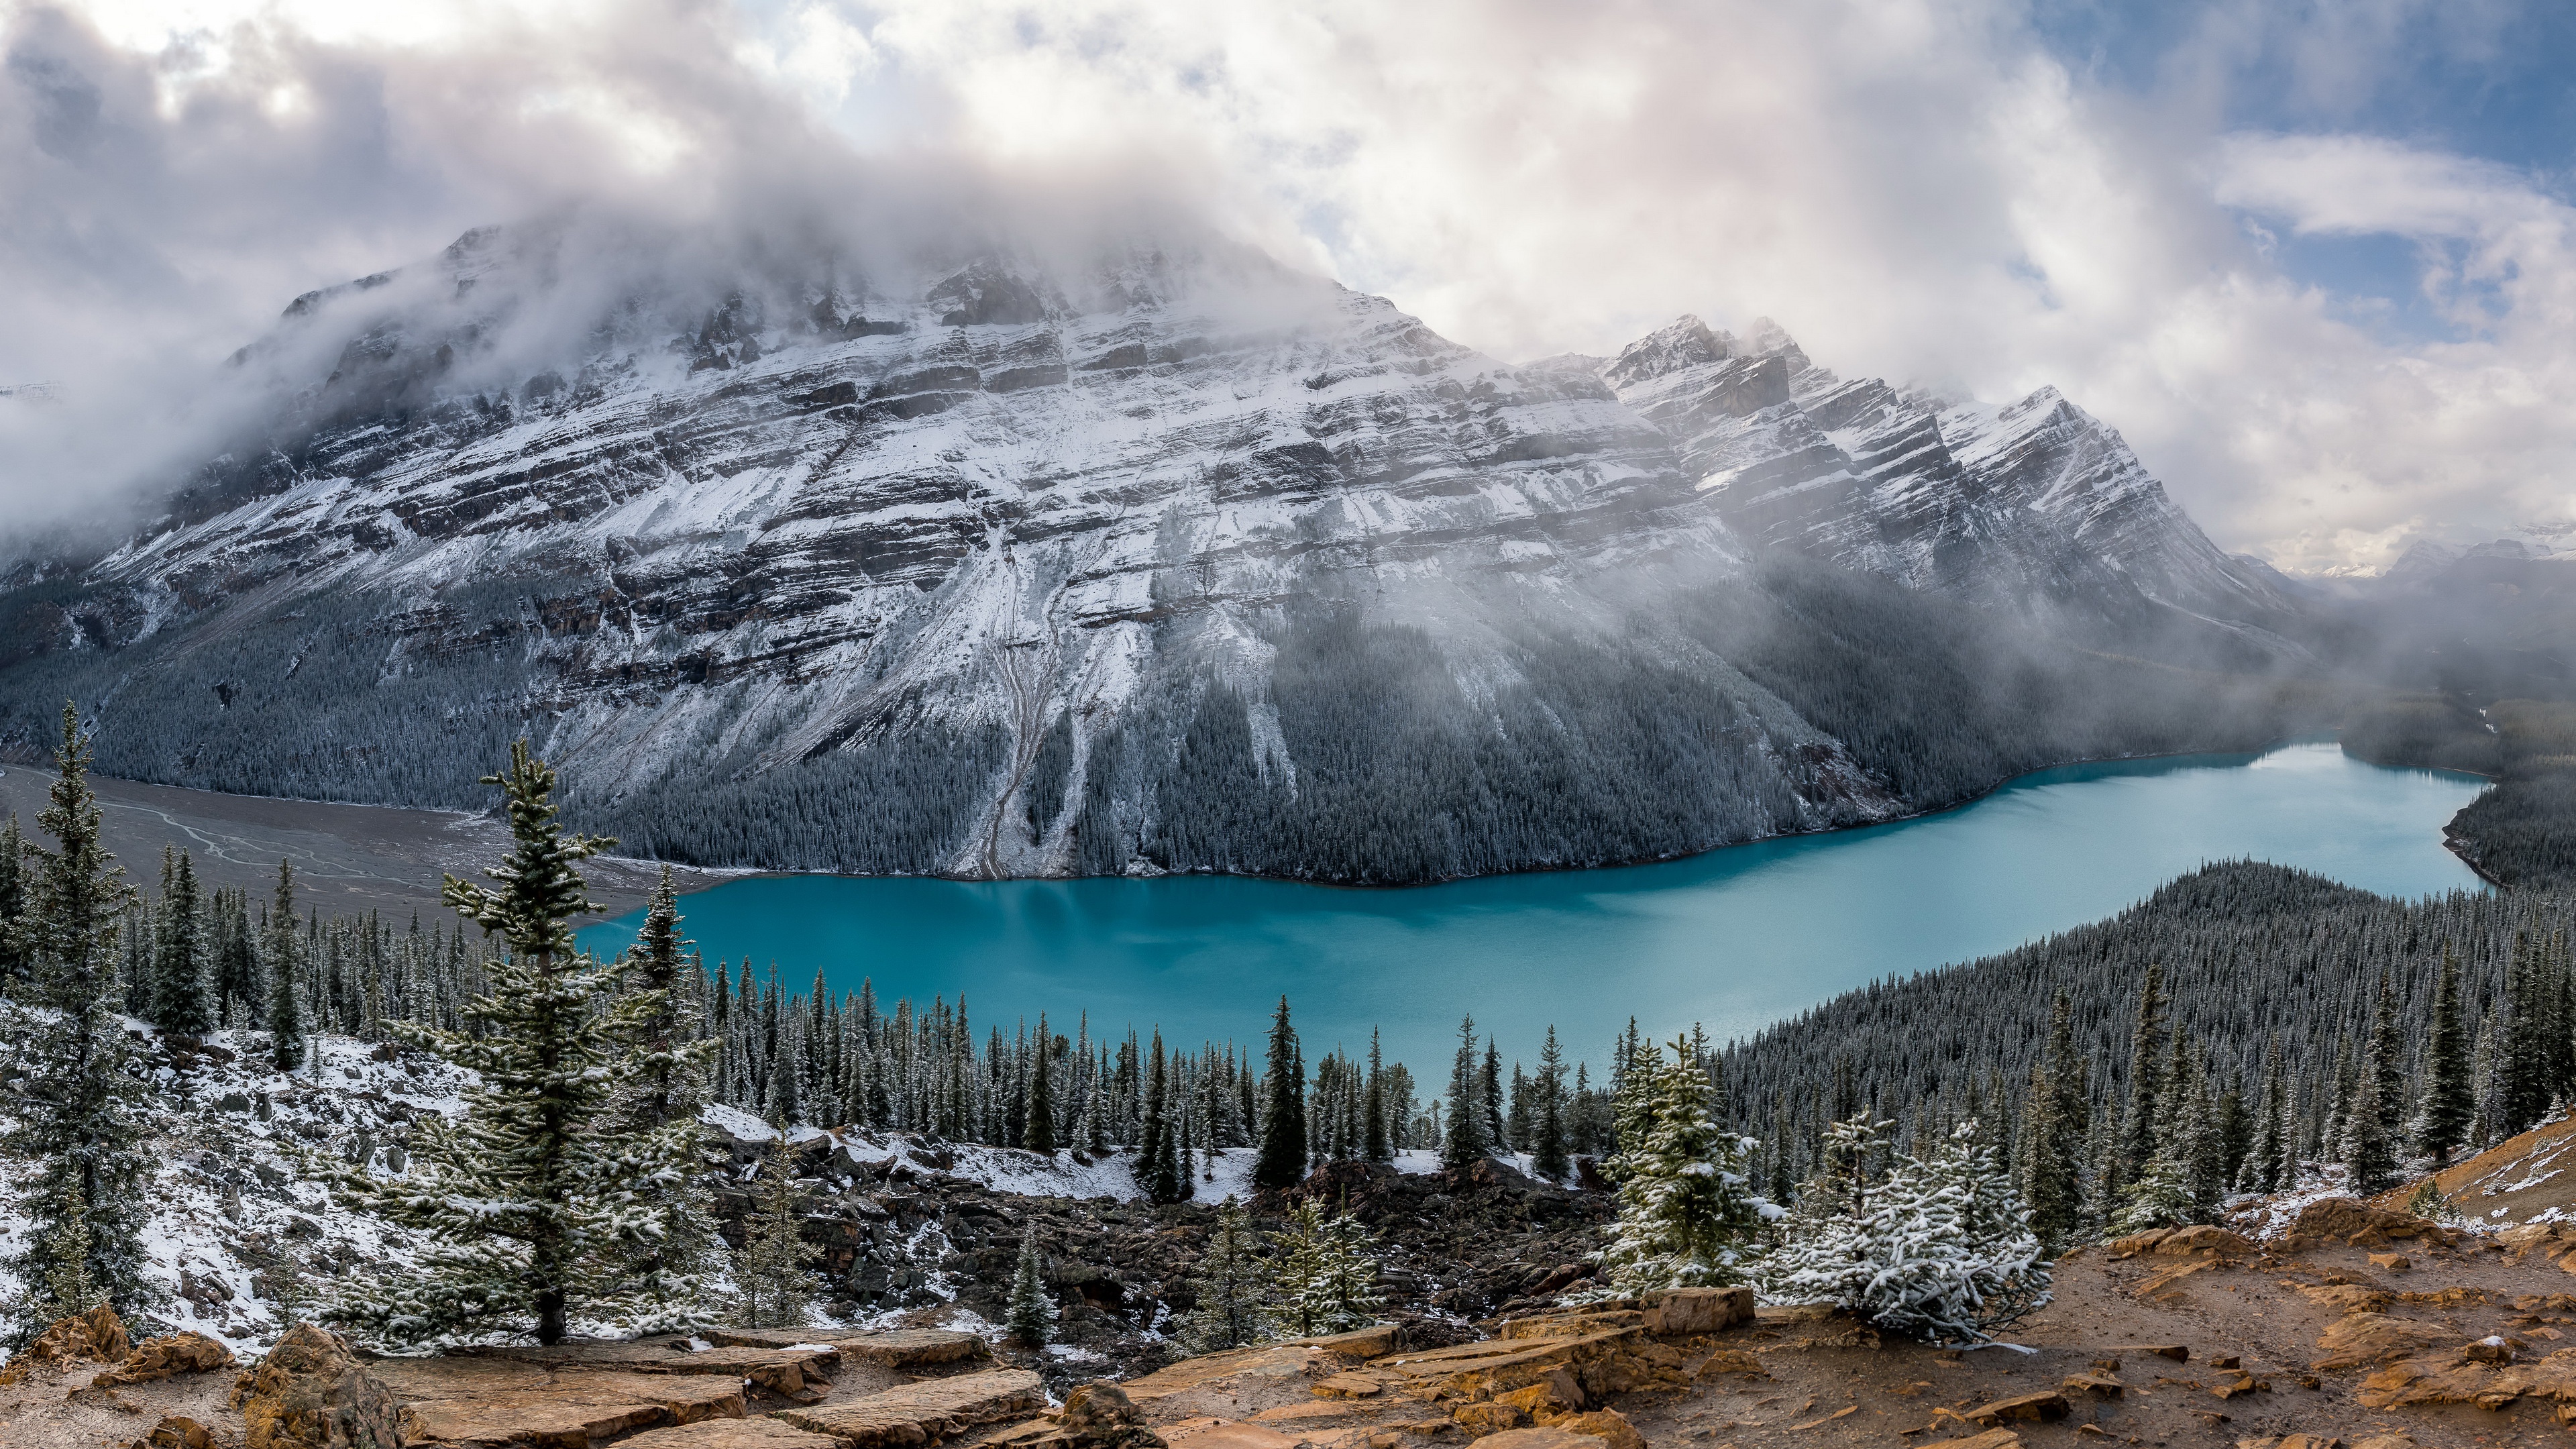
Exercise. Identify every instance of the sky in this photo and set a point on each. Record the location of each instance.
(2315, 261)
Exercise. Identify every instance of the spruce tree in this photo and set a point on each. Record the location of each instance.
(1283, 1119)
(1031, 1316)
(1163, 1177)
(1377, 1145)
(286, 1044)
(1039, 1134)
(1232, 1286)
(2450, 1098)
(78, 1109)
(183, 1002)
(1547, 1143)
(2262, 1171)
(13, 909)
(2369, 1133)
(774, 1272)
(2054, 1131)
(666, 1090)
(2146, 1079)
(1325, 1273)
(1688, 1216)
(530, 1202)
(1462, 1141)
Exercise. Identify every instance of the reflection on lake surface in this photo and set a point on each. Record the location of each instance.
(1732, 939)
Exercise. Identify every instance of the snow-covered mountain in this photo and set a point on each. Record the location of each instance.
(2035, 506)
(1158, 560)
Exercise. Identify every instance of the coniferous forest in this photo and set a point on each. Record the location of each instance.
(2244, 1029)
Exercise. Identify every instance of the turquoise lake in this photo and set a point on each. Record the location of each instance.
(1732, 939)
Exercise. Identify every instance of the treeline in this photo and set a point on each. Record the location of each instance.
(2282, 1005)
(1797, 696)
(2522, 832)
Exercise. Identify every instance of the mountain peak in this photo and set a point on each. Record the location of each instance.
(1684, 342)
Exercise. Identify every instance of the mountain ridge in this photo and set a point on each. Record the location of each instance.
(1180, 561)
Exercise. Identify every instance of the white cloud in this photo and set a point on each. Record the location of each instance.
(1918, 189)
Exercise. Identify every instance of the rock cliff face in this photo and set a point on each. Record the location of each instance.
(1159, 562)
(2036, 506)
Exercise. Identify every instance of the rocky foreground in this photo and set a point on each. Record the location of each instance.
(2357, 1324)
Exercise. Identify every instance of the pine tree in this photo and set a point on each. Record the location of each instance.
(1941, 1249)
(2369, 1133)
(1039, 1135)
(183, 986)
(286, 1044)
(1547, 1144)
(661, 1100)
(78, 1109)
(1164, 1179)
(2450, 1098)
(2053, 1132)
(1687, 1213)
(14, 959)
(774, 1273)
(2267, 1167)
(1232, 1286)
(1376, 1144)
(1325, 1273)
(2160, 1198)
(1283, 1120)
(1031, 1317)
(1462, 1143)
(528, 1200)
(2146, 1079)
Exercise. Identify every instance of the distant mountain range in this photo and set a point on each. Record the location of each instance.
(1162, 561)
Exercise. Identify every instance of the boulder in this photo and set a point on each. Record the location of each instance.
(1375, 1341)
(796, 1372)
(308, 1393)
(1101, 1416)
(97, 1336)
(1605, 1424)
(2345, 1297)
(1699, 1310)
(1218, 1433)
(2355, 1223)
(933, 1408)
(468, 1400)
(2046, 1405)
(762, 1433)
(2367, 1340)
(898, 1348)
(1553, 1436)
(160, 1358)
(2391, 1262)
(176, 1431)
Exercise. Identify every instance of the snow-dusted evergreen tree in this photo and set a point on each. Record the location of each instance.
(1324, 1273)
(1039, 1135)
(286, 1043)
(183, 986)
(1031, 1316)
(2371, 1116)
(1233, 1287)
(664, 1091)
(1940, 1250)
(13, 909)
(2450, 1104)
(1158, 1167)
(773, 1274)
(1548, 1156)
(1283, 1118)
(1462, 1141)
(1688, 1215)
(535, 1203)
(2160, 1198)
(77, 1109)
